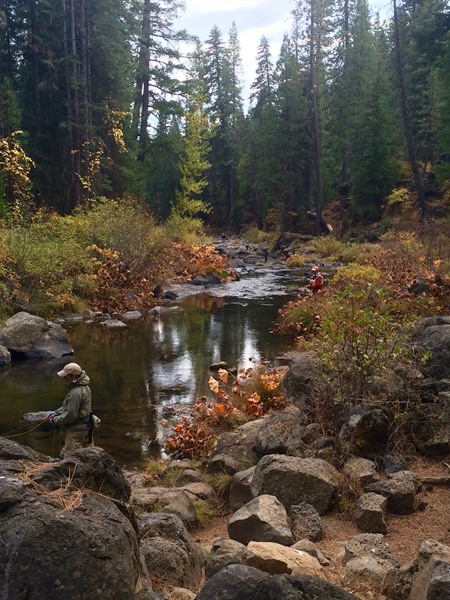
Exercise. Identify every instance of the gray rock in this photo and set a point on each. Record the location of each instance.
(361, 470)
(239, 444)
(400, 491)
(178, 502)
(263, 519)
(87, 468)
(170, 553)
(367, 429)
(433, 334)
(367, 561)
(199, 491)
(369, 514)
(224, 463)
(189, 476)
(429, 426)
(283, 433)
(237, 582)
(240, 492)
(131, 315)
(40, 537)
(5, 356)
(307, 546)
(149, 594)
(293, 480)
(28, 336)
(114, 324)
(301, 382)
(306, 523)
(425, 577)
(223, 553)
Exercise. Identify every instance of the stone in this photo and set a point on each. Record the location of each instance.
(170, 553)
(367, 429)
(301, 382)
(149, 594)
(189, 476)
(223, 553)
(237, 582)
(283, 433)
(114, 324)
(239, 444)
(400, 491)
(306, 523)
(277, 559)
(293, 480)
(87, 468)
(361, 470)
(369, 514)
(131, 315)
(426, 577)
(199, 491)
(310, 548)
(429, 426)
(28, 336)
(367, 561)
(240, 492)
(433, 334)
(5, 356)
(224, 463)
(41, 535)
(178, 502)
(263, 519)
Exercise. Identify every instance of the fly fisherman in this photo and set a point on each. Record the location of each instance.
(75, 417)
(316, 282)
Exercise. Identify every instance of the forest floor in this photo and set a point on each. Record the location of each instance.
(430, 521)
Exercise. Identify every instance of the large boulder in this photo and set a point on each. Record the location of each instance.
(427, 576)
(263, 519)
(367, 429)
(301, 380)
(283, 433)
(276, 559)
(170, 553)
(28, 336)
(239, 444)
(86, 468)
(224, 552)
(64, 545)
(429, 426)
(367, 561)
(293, 480)
(306, 523)
(238, 582)
(400, 491)
(433, 334)
(240, 492)
(5, 356)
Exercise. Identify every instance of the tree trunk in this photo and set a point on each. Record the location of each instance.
(315, 121)
(142, 96)
(407, 122)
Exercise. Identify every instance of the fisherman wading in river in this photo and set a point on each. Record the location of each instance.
(75, 415)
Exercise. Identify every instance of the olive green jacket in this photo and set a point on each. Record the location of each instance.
(77, 404)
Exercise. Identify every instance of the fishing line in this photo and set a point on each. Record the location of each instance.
(10, 434)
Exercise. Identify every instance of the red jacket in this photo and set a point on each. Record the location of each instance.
(316, 282)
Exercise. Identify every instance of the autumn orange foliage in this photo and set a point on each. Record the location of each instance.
(253, 393)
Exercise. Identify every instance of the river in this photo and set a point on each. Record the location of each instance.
(137, 372)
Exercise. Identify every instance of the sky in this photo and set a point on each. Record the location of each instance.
(253, 18)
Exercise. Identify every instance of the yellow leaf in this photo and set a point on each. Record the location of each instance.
(223, 375)
(213, 385)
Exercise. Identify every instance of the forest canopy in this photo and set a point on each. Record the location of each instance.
(97, 100)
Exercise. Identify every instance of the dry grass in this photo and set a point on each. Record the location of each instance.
(67, 498)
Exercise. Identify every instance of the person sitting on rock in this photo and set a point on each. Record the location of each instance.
(75, 417)
(316, 282)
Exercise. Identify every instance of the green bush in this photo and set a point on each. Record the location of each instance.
(328, 247)
(356, 275)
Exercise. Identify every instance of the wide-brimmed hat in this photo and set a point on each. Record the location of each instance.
(70, 369)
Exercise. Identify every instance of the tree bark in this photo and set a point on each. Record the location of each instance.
(407, 122)
(315, 120)
(142, 96)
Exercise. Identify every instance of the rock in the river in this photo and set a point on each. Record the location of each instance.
(28, 336)
(5, 356)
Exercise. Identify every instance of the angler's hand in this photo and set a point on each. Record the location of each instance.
(51, 415)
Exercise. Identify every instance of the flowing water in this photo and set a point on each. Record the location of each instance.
(139, 372)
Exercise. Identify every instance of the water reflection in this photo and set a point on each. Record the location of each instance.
(154, 363)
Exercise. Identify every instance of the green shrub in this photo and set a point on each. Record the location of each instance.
(398, 196)
(328, 247)
(356, 275)
(256, 236)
